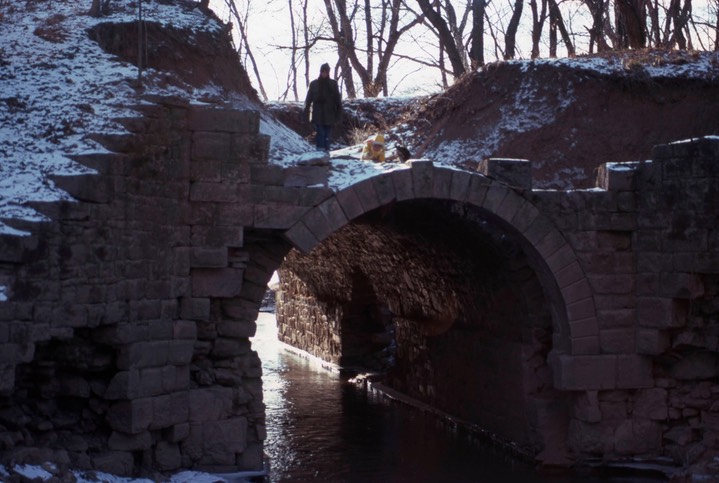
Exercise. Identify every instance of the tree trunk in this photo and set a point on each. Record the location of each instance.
(632, 22)
(445, 37)
(476, 50)
(538, 18)
(510, 37)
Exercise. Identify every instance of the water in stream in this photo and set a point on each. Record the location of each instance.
(322, 428)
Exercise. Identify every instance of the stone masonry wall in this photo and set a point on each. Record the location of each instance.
(636, 263)
(124, 342)
(125, 333)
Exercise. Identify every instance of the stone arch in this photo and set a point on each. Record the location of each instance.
(574, 313)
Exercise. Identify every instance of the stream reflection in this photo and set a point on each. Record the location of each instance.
(321, 428)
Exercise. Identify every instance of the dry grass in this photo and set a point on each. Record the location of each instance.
(52, 29)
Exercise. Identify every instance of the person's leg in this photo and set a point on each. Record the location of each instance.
(328, 133)
(321, 140)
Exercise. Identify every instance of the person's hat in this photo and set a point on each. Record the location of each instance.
(325, 67)
(379, 139)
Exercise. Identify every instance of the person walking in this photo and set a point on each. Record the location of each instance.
(325, 102)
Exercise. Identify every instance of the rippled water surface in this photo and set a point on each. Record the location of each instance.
(323, 429)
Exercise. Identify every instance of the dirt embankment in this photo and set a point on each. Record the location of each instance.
(567, 117)
(567, 120)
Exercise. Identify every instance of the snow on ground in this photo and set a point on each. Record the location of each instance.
(48, 470)
(656, 64)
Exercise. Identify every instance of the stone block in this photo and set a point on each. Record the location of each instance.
(178, 432)
(586, 407)
(403, 184)
(652, 341)
(495, 196)
(634, 371)
(74, 316)
(175, 378)
(367, 195)
(208, 257)
(237, 329)
(302, 176)
(224, 192)
(143, 354)
(580, 310)
(234, 214)
(637, 437)
(579, 290)
(301, 237)
(123, 385)
(661, 313)
(384, 187)
(575, 373)
(422, 177)
(227, 435)
(167, 456)
(696, 366)
(206, 170)
(90, 188)
(513, 172)
(584, 346)
(12, 354)
(478, 187)
(223, 120)
(617, 176)
(169, 410)
(651, 404)
(7, 377)
(616, 319)
(180, 352)
(270, 174)
(121, 463)
(277, 216)
(194, 309)
(569, 276)
(442, 183)
(613, 284)
(210, 404)
(350, 203)
(617, 341)
(217, 236)
(210, 146)
(681, 285)
(459, 184)
(120, 441)
(132, 417)
(216, 282)
(583, 327)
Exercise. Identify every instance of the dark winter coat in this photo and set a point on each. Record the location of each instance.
(323, 97)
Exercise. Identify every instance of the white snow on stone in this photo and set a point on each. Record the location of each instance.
(38, 472)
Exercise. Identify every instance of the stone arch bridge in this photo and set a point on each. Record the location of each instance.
(580, 325)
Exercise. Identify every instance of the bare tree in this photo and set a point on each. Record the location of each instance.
(445, 36)
(241, 21)
(510, 36)
(476, 36)
(539, 16)
(381, 31)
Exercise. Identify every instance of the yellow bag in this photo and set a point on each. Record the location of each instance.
(374, 149)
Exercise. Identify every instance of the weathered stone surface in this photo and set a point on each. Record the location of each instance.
(138, 300)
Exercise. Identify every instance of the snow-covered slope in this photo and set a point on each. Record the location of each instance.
(57, 87)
